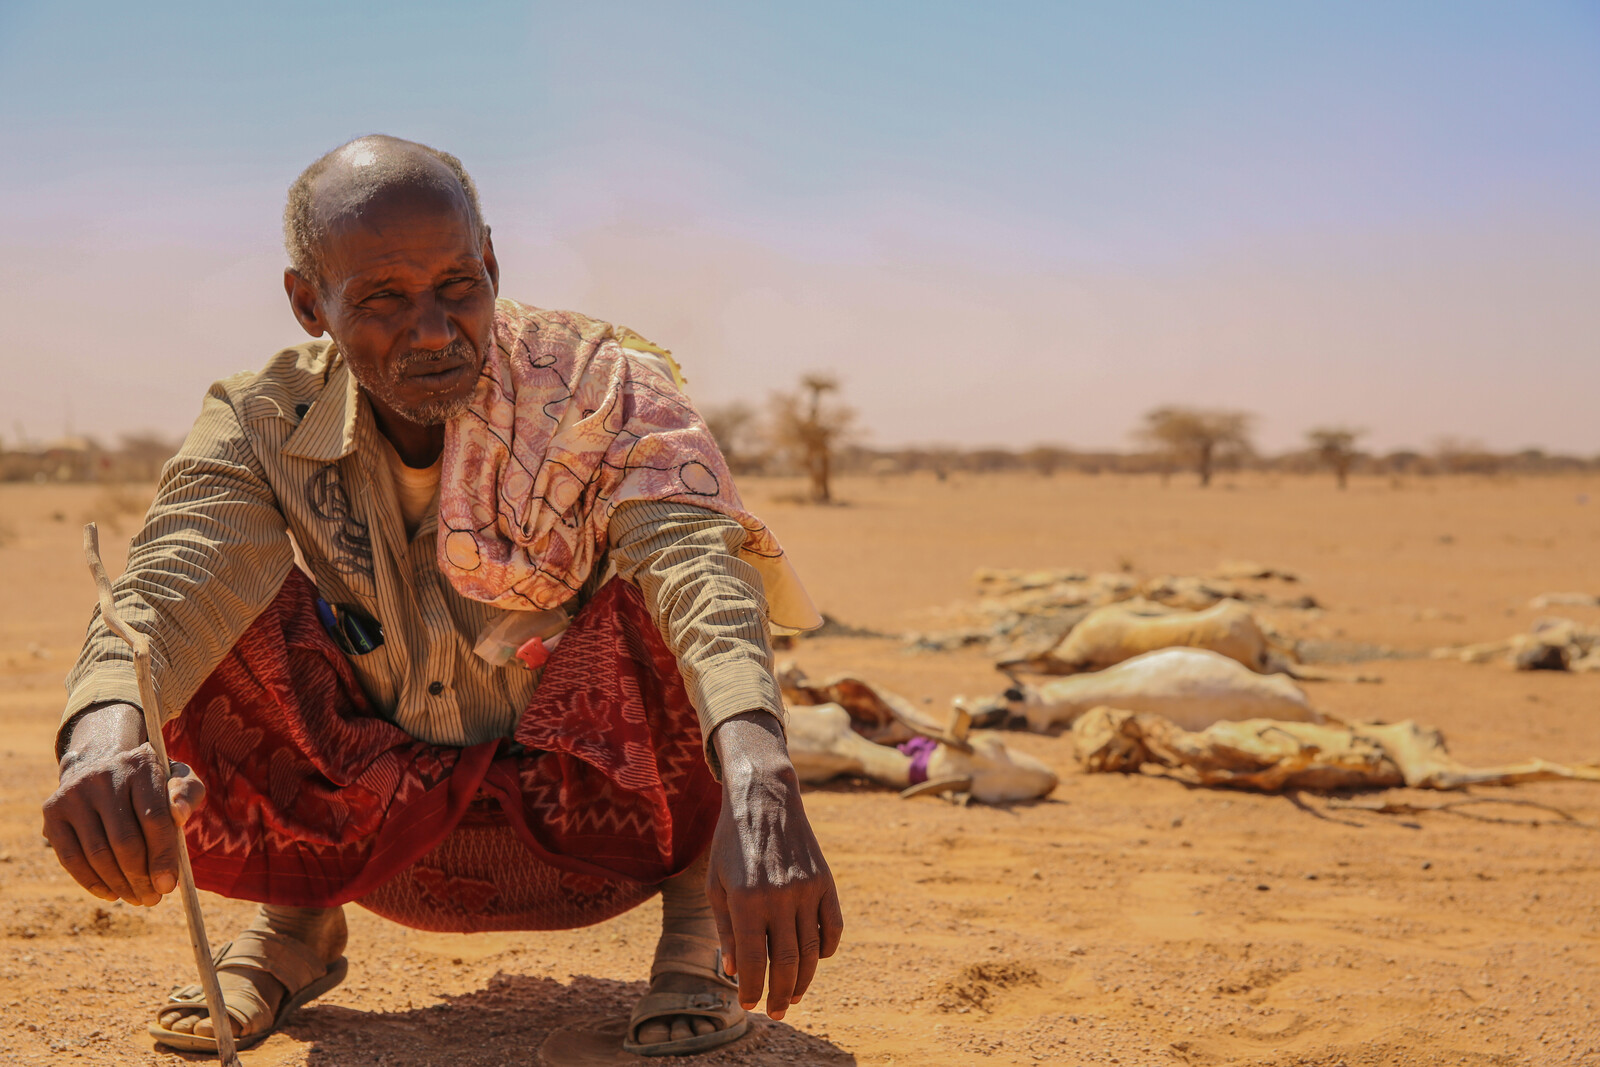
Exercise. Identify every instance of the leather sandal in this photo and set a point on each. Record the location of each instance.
(293, 963)
(701, 958)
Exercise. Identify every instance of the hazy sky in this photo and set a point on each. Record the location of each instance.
(998, 223)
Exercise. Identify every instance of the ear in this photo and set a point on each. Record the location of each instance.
(305, 300)
(490, 263)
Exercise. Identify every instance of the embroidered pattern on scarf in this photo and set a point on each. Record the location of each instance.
(566, 425)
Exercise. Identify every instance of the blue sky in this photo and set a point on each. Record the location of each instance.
(998, 223)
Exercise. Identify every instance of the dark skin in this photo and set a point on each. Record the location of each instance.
(403, 280)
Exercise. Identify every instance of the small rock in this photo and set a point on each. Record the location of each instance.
(1263, 887)
(1427, 865)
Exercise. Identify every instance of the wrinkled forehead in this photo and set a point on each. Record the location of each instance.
(394, 222)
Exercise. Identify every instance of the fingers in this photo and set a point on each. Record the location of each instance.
(64, 839)
(185, 793)
(102, 857)
(750, 952)
(124, 827)
(719, 912)
(832, 921)
(159, 833)
(784, 951)
(809, 939)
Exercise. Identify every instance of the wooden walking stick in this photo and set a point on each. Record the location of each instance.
(226, 1052)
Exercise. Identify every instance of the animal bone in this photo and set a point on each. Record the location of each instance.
(1272, 756)
(1192, 687)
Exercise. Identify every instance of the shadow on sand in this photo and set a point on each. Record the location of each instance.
(507, 1021)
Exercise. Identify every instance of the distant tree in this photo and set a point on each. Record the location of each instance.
(1197, 438)
(1336, 447)
(1456, 456)
(811, 428)
(734, 427)
(1047, 459)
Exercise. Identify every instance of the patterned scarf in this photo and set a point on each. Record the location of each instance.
(571, 418)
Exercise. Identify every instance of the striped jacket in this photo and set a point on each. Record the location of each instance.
(288, 463)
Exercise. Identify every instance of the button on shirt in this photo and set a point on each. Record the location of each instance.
(286, 465)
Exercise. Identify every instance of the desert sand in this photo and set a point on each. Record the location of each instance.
(1128, 920)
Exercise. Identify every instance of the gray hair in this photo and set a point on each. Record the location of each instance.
(402, 161)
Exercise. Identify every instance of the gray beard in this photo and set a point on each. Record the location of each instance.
(432, 412)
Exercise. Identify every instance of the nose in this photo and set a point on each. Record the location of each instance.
(432, 329)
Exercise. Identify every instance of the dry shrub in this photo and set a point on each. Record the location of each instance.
(979, 985)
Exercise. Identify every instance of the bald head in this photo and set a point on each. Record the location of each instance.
(341, 185)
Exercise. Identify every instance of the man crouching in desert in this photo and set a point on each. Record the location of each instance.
(466, 621)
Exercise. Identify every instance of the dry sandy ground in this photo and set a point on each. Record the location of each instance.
(1127, 920)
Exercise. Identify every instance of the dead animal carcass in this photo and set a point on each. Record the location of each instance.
(1118, 632)
(1272, 755)
(826, 740)
(1191, 686)
(1554, 644)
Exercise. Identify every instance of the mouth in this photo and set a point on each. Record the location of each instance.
(441, 375)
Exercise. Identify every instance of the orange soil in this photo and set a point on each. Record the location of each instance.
(1127, 920)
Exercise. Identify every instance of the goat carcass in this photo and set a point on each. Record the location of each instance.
(1193, 687)
(1272, 756)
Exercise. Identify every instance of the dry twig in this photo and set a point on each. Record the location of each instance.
(227, 1054)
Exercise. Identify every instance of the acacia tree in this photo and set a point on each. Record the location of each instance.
(1197, 438)
(1336, 447)
(810, 427)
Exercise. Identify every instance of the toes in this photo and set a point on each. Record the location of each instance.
(681, 1030)
(654, 1032)
(702, 1025)
(188, 1022)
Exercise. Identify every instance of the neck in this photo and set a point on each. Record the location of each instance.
(418, 445)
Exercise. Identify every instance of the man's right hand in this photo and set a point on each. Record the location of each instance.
(110, 825)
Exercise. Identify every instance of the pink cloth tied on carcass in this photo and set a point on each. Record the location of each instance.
(571, 418)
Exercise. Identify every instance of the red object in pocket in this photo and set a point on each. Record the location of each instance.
(533, 653)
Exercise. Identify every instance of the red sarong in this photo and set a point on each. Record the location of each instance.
(315, 800)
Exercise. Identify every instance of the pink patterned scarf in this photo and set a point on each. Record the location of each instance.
(567, 423)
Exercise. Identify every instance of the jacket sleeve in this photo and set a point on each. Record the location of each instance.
(211, 555)
(707, 603)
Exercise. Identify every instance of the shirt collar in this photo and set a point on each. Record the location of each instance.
(328, 430)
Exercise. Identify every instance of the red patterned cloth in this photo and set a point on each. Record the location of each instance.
(315, 800)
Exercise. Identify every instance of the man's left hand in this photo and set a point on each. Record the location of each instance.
(770, 888)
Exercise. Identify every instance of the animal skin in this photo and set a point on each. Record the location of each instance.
(1271, 756)
(1118, 632)
(824, 745)
(1193, 687)
(833, 728)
